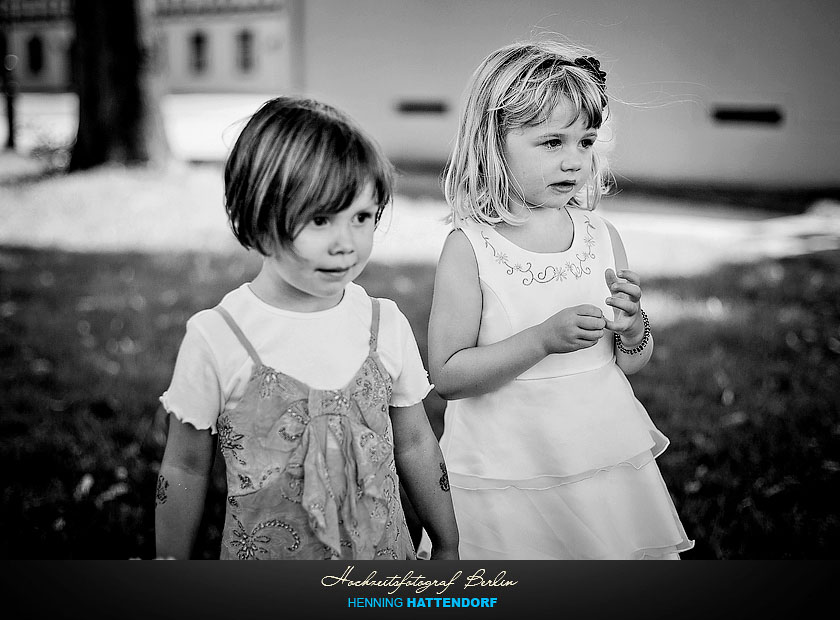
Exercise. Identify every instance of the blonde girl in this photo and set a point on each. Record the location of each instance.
(535, 322)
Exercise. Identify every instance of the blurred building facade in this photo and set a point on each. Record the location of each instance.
(38, 36)
(724, 91)
(201, 45)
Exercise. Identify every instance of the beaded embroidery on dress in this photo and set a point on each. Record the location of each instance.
(311, 473)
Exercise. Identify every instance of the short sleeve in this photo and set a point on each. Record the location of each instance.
(195, 393)
(411, 384)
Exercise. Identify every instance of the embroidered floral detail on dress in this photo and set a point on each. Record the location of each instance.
(296, 500)
(389, 390)
(269, 381)
(336, 425)
(364, 389)
(372, 387)
(269, 473)
(245, 482)
(335, 401)
(376, 448)
(228, 439)
(331, 554)
(551, 273)
(299, 420)
(294, 482)
(379, 511)
(390, 492)
(387, 551)
(316, 514)
(295, 470)
(249, 543)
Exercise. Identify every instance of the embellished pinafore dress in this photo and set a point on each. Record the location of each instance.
(310, 472)
(560, 462)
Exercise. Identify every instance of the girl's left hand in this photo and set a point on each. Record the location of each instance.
(625, 294)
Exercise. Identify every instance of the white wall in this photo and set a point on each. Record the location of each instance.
(671, 59)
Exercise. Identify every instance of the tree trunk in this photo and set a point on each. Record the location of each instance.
(9, 87)
(118, 85)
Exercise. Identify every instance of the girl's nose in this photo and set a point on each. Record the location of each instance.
(571, 162)
(342, 241)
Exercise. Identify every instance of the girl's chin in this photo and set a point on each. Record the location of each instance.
(554, 204)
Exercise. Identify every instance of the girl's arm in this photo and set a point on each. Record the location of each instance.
(458, 367)
(423, 475)
(181, 488)
(625, 295)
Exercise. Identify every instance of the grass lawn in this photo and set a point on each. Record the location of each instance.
(745, 386)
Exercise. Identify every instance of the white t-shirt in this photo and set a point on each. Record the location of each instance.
(323, 349)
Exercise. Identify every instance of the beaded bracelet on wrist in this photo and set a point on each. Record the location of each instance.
(639, 347)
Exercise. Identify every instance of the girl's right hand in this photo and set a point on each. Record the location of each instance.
(571, 329)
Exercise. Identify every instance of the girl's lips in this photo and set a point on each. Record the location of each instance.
(563, 187)
(336, 269)
(335, 273)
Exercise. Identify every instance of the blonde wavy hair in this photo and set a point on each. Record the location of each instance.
(515, 86)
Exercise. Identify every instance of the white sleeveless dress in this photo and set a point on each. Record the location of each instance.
(560, 462)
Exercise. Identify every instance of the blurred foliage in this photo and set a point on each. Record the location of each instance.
(746, 391)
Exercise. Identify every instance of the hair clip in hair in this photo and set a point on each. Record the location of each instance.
(594, 67)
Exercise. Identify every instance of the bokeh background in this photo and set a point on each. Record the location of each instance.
(722, 140)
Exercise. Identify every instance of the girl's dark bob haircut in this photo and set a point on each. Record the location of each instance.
(296, 159)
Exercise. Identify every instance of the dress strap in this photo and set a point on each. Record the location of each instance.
(239, 335)
(374, 323)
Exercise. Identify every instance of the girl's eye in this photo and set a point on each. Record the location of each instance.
(320, 220)
(588, 143)
(363, 217)
(552, 144)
